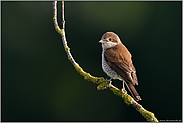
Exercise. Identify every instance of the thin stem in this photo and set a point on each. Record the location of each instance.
(63, 19)
(62, 31)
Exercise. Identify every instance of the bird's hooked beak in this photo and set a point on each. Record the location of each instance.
(102, 41)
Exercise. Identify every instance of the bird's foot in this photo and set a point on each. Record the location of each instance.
(123, 90)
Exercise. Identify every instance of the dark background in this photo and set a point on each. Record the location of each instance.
(40, 84)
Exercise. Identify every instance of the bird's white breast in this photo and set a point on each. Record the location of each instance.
(107, 69)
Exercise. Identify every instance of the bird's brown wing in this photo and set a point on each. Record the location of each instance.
(119, 59)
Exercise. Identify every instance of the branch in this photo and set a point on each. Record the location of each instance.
(103, 83)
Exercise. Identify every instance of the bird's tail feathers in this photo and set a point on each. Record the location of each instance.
(133, 91)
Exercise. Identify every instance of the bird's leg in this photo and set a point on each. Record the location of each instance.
(109, 81)
(123, 86)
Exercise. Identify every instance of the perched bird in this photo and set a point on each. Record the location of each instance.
(117, 62)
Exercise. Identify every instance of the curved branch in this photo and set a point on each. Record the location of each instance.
(103, 83)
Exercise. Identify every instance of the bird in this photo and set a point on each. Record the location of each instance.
(117, 62)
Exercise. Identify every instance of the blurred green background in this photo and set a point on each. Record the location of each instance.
(40, 84)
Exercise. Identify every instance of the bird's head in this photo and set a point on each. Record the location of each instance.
(109, 39)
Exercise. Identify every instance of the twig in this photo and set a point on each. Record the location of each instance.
(103, 84)
(61, 31)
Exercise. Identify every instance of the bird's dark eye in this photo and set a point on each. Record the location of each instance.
(110, 39)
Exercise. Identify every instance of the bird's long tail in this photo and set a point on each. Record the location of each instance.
(133, 91)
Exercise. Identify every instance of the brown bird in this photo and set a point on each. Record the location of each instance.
(117, 62)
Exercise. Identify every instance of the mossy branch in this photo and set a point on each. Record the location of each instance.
(103, 83)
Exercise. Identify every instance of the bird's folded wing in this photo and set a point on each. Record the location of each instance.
(121, 64)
